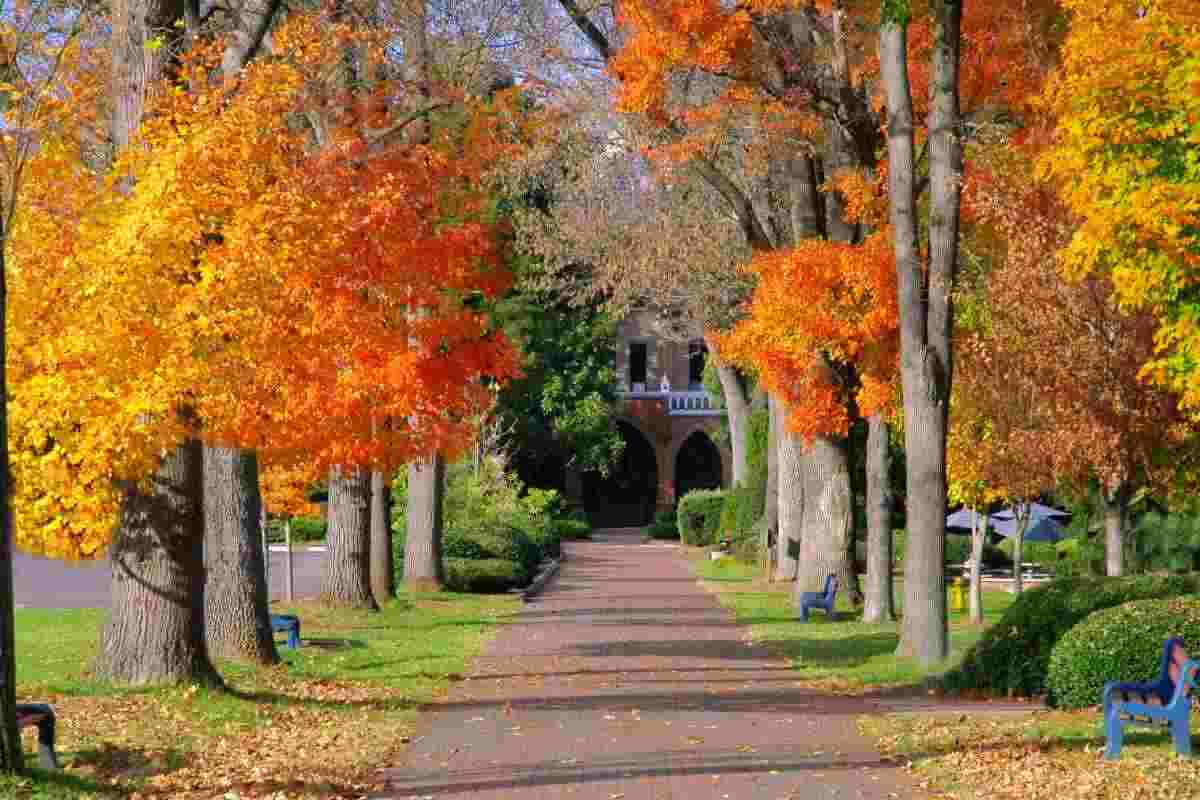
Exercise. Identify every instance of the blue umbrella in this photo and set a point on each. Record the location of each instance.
(967, 519)
(1036, 530)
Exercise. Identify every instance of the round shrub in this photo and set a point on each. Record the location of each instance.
(1013, 655)
(665, 526)
(699, 516)
(548, 541)
(511, 544)
(489, 575)
(1123, 643)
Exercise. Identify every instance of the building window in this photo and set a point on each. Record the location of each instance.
(697, 356)
(637, 365)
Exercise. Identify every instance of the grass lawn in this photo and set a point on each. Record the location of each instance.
(1043, 755)
(841, 655)
(317, 726)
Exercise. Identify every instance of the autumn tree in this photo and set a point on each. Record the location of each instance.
(40, 72)
(298, 340)
(1125, 110)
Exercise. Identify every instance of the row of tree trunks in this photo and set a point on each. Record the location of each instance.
(423, 544)
(347, 579)
(879, 605)
(791, 497)
(236, 605)
(827, 528)
(155, 630)
(383, 579)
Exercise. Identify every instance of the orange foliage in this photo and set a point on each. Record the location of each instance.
(821, 331)
(252, 291)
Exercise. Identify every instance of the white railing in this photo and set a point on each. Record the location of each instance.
(681, 404)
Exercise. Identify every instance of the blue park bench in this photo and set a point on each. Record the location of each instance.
(1174, 708)
(42, 716)
(289, 624)
(822, 600)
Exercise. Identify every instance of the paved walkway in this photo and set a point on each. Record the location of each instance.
(627, 681)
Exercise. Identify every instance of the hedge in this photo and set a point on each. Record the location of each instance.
(739, 512)
(571, 529)
(489, 575)
(1124, 643)
(665, 526)
(699, 515)
(1013, 655)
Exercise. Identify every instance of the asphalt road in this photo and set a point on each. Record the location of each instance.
(46, 583)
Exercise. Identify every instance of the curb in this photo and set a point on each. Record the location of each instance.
(539, 582)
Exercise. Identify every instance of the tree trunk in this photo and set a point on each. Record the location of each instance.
(791, 499)
(236, 610)
(423, 546)
(1114, 530)
(926, 311)
(1018, 552)
(155, 628)
(771, 510)
(737, 407)
(10, 739)
(383, 579)
(978, 531)
(828, 518)
(347, 582)
(880, 603)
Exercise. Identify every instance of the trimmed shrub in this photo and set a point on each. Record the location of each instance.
(698, 516)
(741, 509)
(665, 526)
(460, 544)
(489, 575)
(1013, 655)
(571, 529)
(512, 544)
(1124, 643)
(308, 529)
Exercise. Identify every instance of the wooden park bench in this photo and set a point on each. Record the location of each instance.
(42, 716)
(1173, 709)
(287, 623)
(822, 600)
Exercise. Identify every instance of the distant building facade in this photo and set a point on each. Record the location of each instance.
(669, 424)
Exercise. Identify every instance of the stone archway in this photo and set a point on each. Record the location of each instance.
(627, 496)
(698, 464)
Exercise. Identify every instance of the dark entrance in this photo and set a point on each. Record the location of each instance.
(698, 465)
(627, 496)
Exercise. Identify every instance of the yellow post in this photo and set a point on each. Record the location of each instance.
(958, 595)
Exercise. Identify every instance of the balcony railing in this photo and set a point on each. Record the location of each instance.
(681, 404)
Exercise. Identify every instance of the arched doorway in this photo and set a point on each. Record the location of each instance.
(697, 465)
(626, 497)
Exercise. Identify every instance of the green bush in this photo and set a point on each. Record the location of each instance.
(1013, 655)
(548, 541)
(572, 529)
(1123, 643)
(699, 515)
(958, 548)
(739, 512)
(308, 529)
(512, 544)
(665, 526)
(489, 575)
(460, 544)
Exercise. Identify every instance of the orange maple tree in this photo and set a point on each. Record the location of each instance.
(265, 287)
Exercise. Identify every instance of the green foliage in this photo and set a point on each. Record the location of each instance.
(303, 529)
(571, 529)
(740, 510)
(564, 401)
(487, 516)
(1124, 643)
(699, 515)
(1041, 553)
(958, 550)
(1013, 655)
(665, 526)
(1167, 542)
(483, 576)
